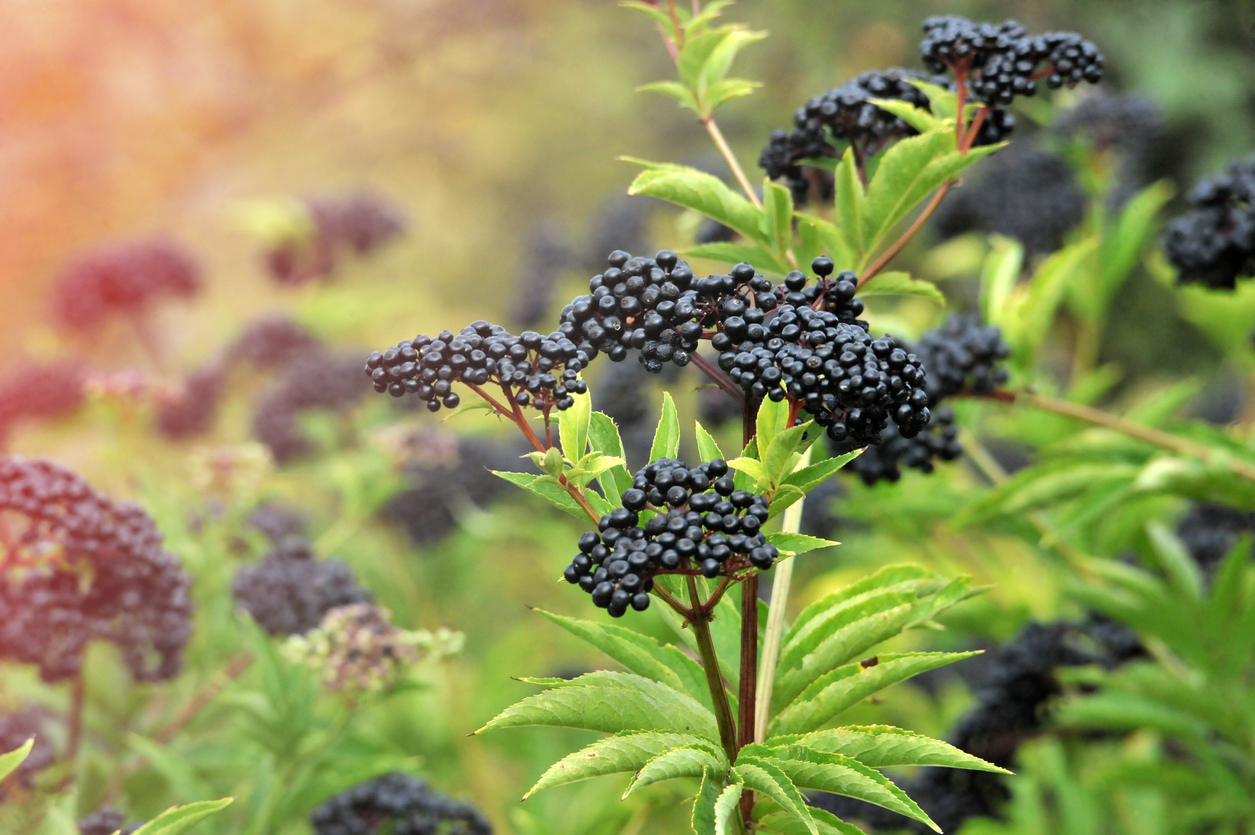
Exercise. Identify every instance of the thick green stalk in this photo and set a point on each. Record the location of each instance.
(783, 578)
(714, 680)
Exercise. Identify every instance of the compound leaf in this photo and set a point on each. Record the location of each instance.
(612, 755)
(687, 761)
(701, 192)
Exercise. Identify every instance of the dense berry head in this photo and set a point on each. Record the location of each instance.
(398, 804)
(273, 341)
(193, 407)
(1214, 243)
(123, 279)
(107, 821)
(278, 521)
(85, 568)
(357, 223)
(962, 355)
(673, 517)
(884, 461)
(1209, 532)
(535, 370)
(290, 591)
(323, 380)
(637, 303)
(40, 392)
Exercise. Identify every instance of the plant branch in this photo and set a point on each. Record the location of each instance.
(749, 660)
(679, 607)
(900, 244)
(1156, 437)
(722, 144)
(714, 680)
(716, 375)
(235, 668)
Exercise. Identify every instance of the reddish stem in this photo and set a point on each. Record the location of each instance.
(960, 88)
(974, 130)
(898, 245)
(720, 379)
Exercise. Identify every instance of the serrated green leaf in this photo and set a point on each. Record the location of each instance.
(549, 490)
(697, 52)
(728, 804)
(808, 478)
(942, 102)
(704, 806)
(807, 768)
(623, 702)
(833, 693)
(882, 579)
(798, 543)
(901, 284)
(777, 215)
(688, 761)
(999, 275)
(640, 654)
(667, 435)
(766, 776)
(603, 436)
(884, 746)
(701, 192)
(826, 236)
(573, 426)
(785, 495)
(1114, 711)
(9, 762)
(917, 117)
(718, 63)
(727, 89)
(780, 822)
(743, 479)
(760, 258)
(694, 24)
(592, 466)
(850, 201)
(674, 90)
(1124, 242)
(612, 755)
(707, 447)
(653, 12)
(902, 174)
(180, 819)
(752, 468)
(784, 450)
(772, 419)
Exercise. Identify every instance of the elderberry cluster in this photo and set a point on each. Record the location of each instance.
(39, 392)
(193, 408)
(1214, 243)
(272, 341)
(883, 461)
(541, 371)
(400, 805)
(122, 279)
(1002, 61)
(641, 303)
(357, 223)
(322, 380)
(700, 520)
(962, 355)
(107, 821)
(85, 568)
(289, 591)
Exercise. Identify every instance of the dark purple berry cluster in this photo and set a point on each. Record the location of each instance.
(272, 341)
(884, 461)
(107, 821)
(358, 223)
(193, 408)
(41, 391)
(1214, 243)
(277, 521)
(397, 804)
(699, 521)
(833, 295)
(641, 303)
(323, 380)
(962, 355)
(539, 371)
(18, 727)
(1209, 532)
(80, 567)
(123, 279)
(1002, 61)
(289, 590)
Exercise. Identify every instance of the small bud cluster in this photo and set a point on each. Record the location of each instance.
(359, 223)
(107, 821)
(39, 392)
(699, 520)
(398, 804)
(1002, 61)
(123, 279)
(83, 568)
(1214, 243)
(539, 371)
(289, 591)
(22, 725)
(357, 650)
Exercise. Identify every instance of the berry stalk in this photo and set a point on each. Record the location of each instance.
(714, 679)
(900, 244)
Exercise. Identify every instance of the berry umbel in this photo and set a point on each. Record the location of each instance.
(1214, 243)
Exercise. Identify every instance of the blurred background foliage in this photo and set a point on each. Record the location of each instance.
(492, 129)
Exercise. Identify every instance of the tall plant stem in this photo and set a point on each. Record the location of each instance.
(792, 523)
(900, 244)
(1156, 437)
(714, 679)
(712, 127)
(235, 668)
(749, 661)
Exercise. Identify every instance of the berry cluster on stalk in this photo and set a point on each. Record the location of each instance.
(700, 522)
(290, 591)
(1214, 243)
(538, 371)
(398, 804)
(123, 279)
(323, 380)
(78, 567)
(1002, 61)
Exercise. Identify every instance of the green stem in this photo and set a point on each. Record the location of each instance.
(792, 523)
(714, 680)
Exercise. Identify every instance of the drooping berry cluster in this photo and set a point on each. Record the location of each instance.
(700, 521)
(1002, 61)
(1214, 243)
(398, 804)
(193, 408)
(123, 279)
(324, 380)
(107, 821)
(290, 591)
(18, 727)
(539, 371)
(358, 223)
(962, 355)
(41, 391)
(79, 567)
(641, 303)
(883, 461)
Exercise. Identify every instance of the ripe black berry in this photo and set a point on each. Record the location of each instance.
(398, 804)
(1214, 243)
(533, 370)
(962, 355)
(698, 520)
(883, 461)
